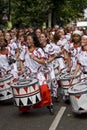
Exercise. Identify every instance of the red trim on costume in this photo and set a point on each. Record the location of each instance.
(4, 53)
(22, 60)
(84, 50)
(31, 51)
(23, 43)
(75, 46)
(78, 63)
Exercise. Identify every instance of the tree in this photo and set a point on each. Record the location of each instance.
(35, 12)
(67, 10)
(30, 12)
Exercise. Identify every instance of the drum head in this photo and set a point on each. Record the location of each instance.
(6, 77)
(67, 76)
(78, 88)
(24, 82)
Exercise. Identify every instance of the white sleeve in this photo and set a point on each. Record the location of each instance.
(14, 45)
(22, 55)
(50, 49)
(40, 53)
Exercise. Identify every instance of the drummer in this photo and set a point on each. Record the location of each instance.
(13, 54)
(50, 57)
(4, 65)
(62, 42)
(58, 52)
(32, 58)
(74, 49)
(4, 59)
(82, 57)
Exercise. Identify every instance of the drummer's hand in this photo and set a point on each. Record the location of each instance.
(21, 71)
(32, 56)
(74, 75)
(69, 69)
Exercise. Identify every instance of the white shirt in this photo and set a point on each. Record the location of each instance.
(74, 51)
(30, 63)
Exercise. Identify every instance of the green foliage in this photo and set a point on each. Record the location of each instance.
(68, 10)
(30, 12)
(35, 12)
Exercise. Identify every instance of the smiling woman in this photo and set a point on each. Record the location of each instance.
(32, 59)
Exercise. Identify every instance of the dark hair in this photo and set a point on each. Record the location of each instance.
(46, 37)
(35, 39)
(72, 37)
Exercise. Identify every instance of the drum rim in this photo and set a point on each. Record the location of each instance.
(15, 85)
(6, 78)
(71, 92)
(66, 78)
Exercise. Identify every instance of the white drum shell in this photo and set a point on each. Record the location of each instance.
(26, 94)
(5, 87)
(78, 98)
(67, 81)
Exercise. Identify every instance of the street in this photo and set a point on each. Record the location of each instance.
(41, 119)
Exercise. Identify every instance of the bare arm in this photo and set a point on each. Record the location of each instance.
(76, 70)
(22, 67)
(17, 53)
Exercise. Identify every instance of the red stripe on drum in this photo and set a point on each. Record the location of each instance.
(78, 96)
(17, 89)
(27, 94)
(26, 89)
(9, 83)
(34, 86)
(1, 86)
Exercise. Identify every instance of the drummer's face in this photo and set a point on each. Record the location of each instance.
(38, 33)
(83, 41)
(2, 43)
(76, 38)
(21, 39)
(7, 36)
(30, 41)
(43, 40)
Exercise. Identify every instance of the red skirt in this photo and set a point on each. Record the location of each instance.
(45, 95)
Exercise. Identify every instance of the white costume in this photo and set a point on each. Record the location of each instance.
(49, 50)
(74, 51)
(58, 61)
(31, 65)
(11, 47)
(4, 66)
(63, 43)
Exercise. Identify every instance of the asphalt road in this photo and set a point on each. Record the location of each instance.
(40, 119)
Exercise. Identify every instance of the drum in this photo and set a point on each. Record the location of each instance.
(67, 81)
(26, 92)
(46, 73)
(5, 87)
(78, 97)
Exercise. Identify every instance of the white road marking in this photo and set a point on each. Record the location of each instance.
(57, 118)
